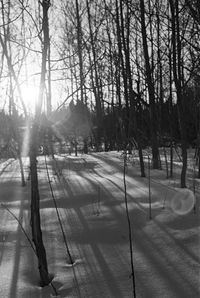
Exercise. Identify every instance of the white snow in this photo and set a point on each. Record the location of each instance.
(89, 193)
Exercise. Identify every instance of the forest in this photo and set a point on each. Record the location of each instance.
(99, 135)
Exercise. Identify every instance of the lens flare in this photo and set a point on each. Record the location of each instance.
(183, 201)
(26, 141)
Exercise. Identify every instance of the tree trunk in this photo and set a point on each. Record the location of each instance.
(35, 211)
(178, 80)
(95, 81)
(142, 167)
(121, 43)
(151, 91)
(35, 197)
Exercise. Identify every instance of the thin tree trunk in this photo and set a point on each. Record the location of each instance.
(35, 211)
(95, 80)
(35, 197)
(120, 35)
(151, 91)
(178, 80)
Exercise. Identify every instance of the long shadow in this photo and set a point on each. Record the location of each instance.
(112, 284)
(13, 289)
(3, 239)
(179, 220)
(72, 164)
(181, 223)
(160, 259)
(144, 245)
(10, 192)
(130, 176)
(178, 243)
(136, 241)
(172, 279)
(112, 163)
(89, 197)
(132, 199)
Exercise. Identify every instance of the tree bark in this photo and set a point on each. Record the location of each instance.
(178, 80)
(95, 81)
(151, 91)
(35, 211)
(35, 197)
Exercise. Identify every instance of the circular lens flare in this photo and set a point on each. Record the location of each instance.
(183, 201)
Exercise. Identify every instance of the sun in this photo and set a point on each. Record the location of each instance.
(30, 97)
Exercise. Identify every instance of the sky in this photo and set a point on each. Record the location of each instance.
(24, 50)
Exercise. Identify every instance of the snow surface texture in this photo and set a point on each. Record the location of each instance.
(89, 193)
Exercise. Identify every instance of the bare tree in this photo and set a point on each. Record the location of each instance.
(151, 90)
(35, 197)
(5, 43)
(179, 82)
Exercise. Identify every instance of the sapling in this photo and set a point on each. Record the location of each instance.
(97, 210)
(58, 215)
(149, 183)
(194, 182)
(98, 200)
(69, 168)
(165, 197)
(129, 224)
(166, 162)
(166, 193)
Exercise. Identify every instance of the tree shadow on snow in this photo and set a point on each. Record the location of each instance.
(185, 222)
(73, 164)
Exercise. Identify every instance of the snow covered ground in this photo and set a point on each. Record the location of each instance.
(89, 193)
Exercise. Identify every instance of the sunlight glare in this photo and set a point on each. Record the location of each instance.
(30, 95)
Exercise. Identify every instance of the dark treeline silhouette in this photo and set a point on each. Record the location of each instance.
(134, 66)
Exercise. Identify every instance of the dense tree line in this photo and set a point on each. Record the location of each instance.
(136, 65)
(133, 65)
